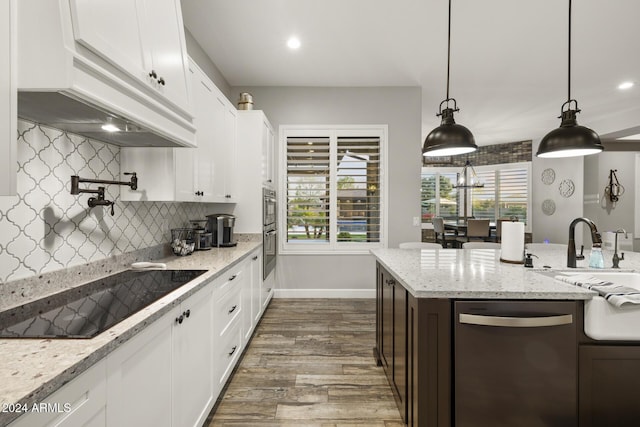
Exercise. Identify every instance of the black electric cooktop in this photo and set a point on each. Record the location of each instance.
(88, 310)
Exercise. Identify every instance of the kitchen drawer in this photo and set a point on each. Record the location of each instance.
(227, 306)
(228, 348)
(80, 402)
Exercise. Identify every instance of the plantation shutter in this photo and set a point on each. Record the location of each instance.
(308, 189)
(358, 189)
(484, 198)
(514, 193)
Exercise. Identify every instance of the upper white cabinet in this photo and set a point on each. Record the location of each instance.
(202, 174)
(8, 119)
(255, 171)
(144, 38)
(121, 58)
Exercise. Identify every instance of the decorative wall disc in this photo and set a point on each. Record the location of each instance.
(567, 188)
(548, 176)
(548, 207)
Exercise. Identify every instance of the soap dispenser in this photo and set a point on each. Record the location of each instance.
(596, 260)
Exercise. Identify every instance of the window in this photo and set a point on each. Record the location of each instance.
(506, 193)
(333, 188)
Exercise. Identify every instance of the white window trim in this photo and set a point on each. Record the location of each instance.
(333, 131)
(502, 166)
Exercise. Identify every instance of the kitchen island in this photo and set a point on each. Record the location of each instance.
(33, 369)
(468, 340)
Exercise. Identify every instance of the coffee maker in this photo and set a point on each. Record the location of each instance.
(221, 227)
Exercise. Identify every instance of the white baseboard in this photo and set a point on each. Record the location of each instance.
(324, 293)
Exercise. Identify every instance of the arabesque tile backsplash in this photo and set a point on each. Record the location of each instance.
(45, 228)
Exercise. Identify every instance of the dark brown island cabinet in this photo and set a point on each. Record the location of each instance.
(492, 363)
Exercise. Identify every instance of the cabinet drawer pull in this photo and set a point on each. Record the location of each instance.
(233, 309)
(390, 282)
(179, 319)
(233, 350)
(187, 313)
(232, 277)
(268, 290)
(161, 81)
(516, 322)
(153, 74)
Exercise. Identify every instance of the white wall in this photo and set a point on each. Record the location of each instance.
(196, 53)
(606, 215)
(555, 228)
(399, 108)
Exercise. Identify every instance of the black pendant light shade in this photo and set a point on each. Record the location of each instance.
(450, 138)
(570, 139)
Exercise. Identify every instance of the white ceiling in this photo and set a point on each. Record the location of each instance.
(508, 57)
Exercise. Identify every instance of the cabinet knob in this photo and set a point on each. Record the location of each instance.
(179, 319)
(187, 313)
(161, 81)
(233, 309)
(268, 290)
(233, 350)
(199, 193)
(255, 257)
(153, 74)
(232, 277)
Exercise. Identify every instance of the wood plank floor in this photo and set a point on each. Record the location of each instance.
(310, 363)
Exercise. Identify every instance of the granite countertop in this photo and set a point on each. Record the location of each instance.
(479, 273)
(31, 369)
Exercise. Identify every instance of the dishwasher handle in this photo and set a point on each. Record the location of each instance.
(516, 322)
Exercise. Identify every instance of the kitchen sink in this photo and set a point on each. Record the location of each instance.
(604, 321)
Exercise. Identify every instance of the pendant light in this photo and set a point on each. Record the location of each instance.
(570, 139)
(448, 139)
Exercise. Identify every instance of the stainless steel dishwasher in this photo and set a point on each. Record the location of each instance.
(515, 363)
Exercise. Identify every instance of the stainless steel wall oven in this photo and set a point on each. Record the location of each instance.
(269, 232)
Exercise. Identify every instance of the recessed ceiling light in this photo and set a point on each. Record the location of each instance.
(625, 85)
(293, 43)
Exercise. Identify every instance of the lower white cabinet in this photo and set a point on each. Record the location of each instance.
(139, 377)
(81, 402)
(193, 392)
(267, 288)
(251, 299)
(228, 314)
(164, 376)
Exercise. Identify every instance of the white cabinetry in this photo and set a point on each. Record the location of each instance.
(251, 297)
(193, 393)
(86, 397)
(228, 312)
(139, 377)
(8, 118)
(256, 170)
(144, 41)
(164, 375)
(202, 174)
(125, 57)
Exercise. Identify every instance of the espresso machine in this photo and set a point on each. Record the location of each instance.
(221, 228)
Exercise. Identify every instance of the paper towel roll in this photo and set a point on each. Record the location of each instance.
(512, 246)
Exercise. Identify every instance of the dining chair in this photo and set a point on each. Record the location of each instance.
(481, 245)
(477, 229)
(419, 245)
(440, 232)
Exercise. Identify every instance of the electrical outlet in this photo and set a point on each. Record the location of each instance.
(416, 221)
